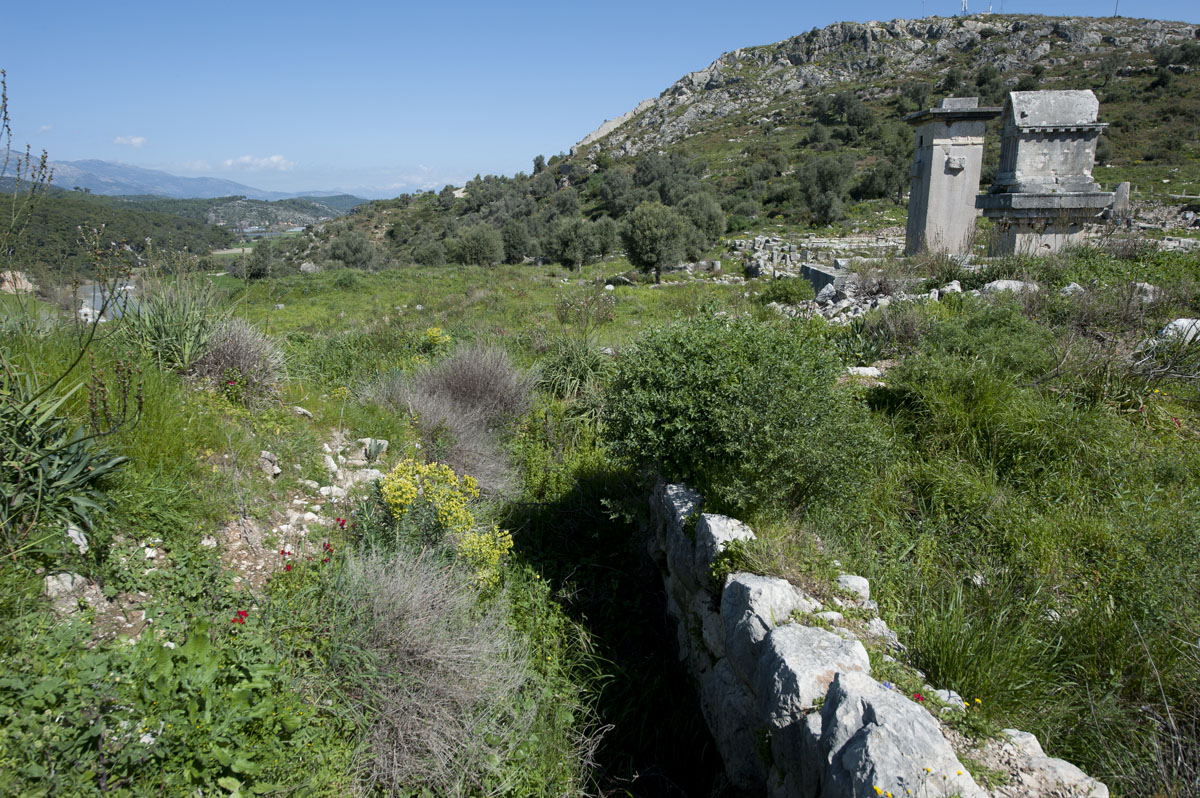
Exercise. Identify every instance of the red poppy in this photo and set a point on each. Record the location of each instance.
(918, 696)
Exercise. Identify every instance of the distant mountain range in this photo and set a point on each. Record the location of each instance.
(108, 177)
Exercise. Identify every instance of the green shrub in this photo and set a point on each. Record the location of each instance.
(347, 279)
(743, 410)
(787, 291)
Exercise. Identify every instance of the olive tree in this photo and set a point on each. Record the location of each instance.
(654, 236)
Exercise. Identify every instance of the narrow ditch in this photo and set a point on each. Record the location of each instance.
(658, 743)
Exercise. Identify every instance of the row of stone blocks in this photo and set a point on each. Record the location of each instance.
(762, 677)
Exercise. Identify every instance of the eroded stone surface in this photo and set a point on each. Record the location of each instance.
(751, 606)
(797, 666)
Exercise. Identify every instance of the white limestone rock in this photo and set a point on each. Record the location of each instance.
(78, 538)
(857, 585)
(1185, 330)
(751, 606)
(1072, 289)
(67, 590)
(1045, 775)
(1146, 292)
(713, 534)
(872, 737)
(796, 666)
(1010, 286)
(728, 706)
(268, 463)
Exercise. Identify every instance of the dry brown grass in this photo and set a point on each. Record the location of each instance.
(236, 346)
(443, 688)
(462, 404)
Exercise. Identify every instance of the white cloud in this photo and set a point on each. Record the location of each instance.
(137, 142)
(272, 162)
(45, 128)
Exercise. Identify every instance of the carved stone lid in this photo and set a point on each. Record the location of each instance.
(1046, 111)
(954, 108)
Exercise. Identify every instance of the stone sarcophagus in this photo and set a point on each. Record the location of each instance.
(947, 160)
(1044, 194)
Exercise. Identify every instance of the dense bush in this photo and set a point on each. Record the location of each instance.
(445, 678)
(743, 410)
(241, 361)
(460, 405)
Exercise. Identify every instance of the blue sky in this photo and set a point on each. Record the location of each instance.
(382, 97)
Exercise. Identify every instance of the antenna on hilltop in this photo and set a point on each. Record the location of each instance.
(964, 8)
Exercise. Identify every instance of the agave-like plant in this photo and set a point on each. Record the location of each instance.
(49, 469)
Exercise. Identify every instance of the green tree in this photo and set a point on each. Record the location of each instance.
(517, 242)
(478, 245)
(607, 235)
(429, 253)
(355, 251)
(824, 180)
(654, 237)
(572, 239)
(705, 213)
(261, 257)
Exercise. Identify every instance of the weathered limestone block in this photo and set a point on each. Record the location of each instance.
(1046, 775)
(857, 585)
(873, 737)
(1010, 286)
(713, 534)
(712, 630)
(674, 506)
(796, 666)
(1184, 330)
(751, 606)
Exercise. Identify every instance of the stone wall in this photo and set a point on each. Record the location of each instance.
(792, 707)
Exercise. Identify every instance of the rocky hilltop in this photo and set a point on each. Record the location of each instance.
(875, 58)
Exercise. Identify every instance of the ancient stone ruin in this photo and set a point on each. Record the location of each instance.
(1044, 193)
(945, 175)
(787, 690)
(1043, 196)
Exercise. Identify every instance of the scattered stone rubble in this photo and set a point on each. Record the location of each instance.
(792, 707)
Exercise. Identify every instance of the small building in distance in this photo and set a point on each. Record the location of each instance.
(1044, 194)
(945, 173)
